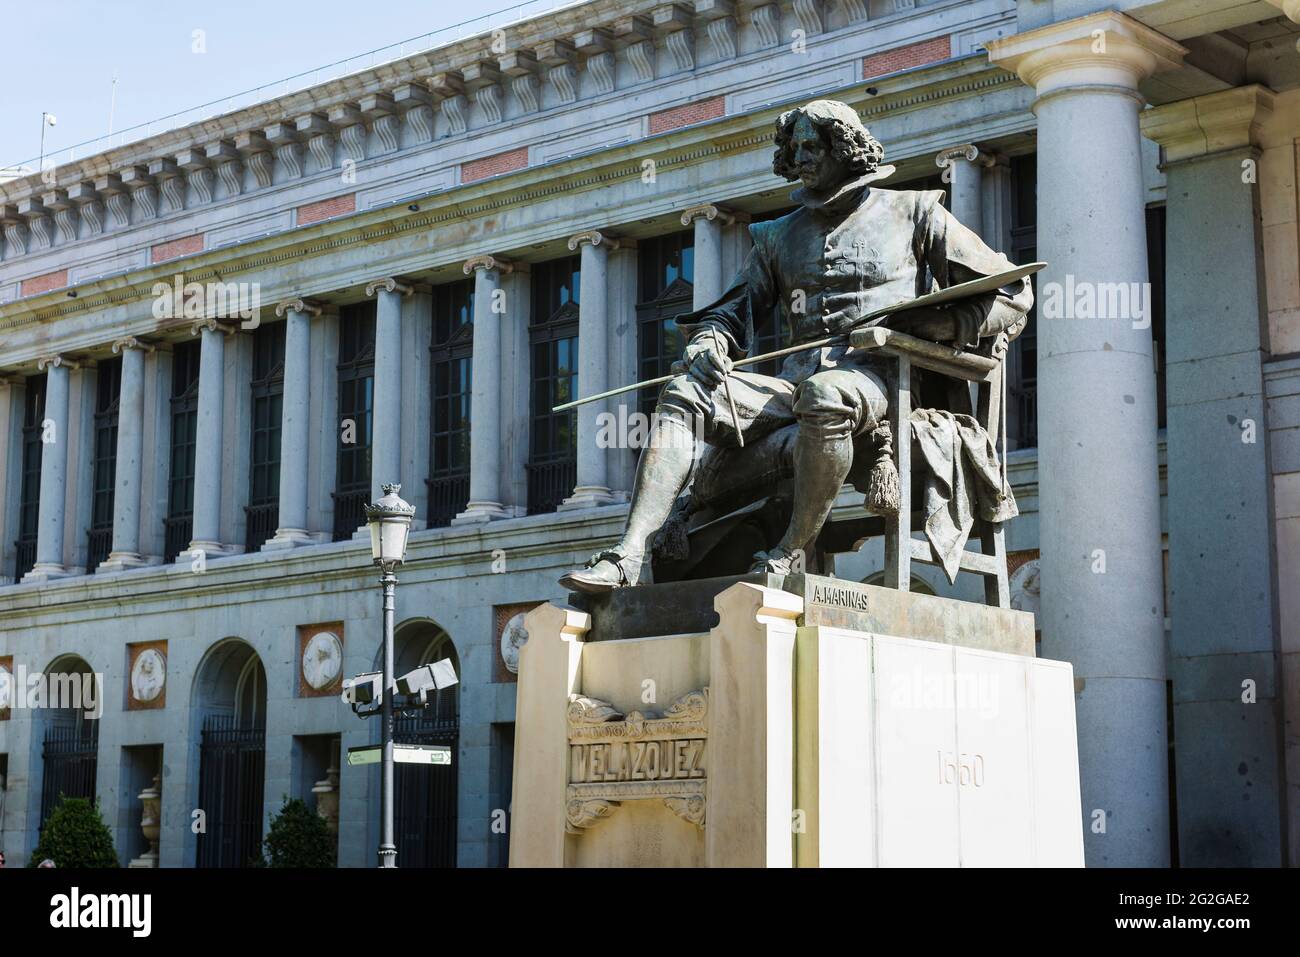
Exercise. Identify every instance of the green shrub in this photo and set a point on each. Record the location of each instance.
(75, 836)
(298, 837)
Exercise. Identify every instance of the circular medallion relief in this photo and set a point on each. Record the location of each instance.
(148, 675)
(322, 660)
(6, 689)
(1024, 587)
(513, 637)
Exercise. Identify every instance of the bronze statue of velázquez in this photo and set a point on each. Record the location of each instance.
(850, 249)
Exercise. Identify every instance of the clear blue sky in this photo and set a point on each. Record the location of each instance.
(60, 55)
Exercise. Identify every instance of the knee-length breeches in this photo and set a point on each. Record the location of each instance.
(834, 403)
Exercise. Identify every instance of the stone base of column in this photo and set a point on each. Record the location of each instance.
(121, 561)
(291, 538)
(477, 513)
(588, 496)
(45, 571)
(210, 549)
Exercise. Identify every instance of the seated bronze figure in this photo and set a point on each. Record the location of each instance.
(850, 249)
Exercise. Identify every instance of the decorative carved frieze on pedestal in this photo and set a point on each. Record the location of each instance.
(616, 757)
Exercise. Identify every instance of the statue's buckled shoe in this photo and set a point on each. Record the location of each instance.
(775, 562)
(603, 573)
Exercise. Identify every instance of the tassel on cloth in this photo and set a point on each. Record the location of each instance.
(884, 495)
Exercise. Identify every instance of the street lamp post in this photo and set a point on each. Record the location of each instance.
(390, 523)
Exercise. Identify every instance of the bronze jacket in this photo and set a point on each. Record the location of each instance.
(834, 259)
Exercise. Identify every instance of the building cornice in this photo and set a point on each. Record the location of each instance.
(682, 148)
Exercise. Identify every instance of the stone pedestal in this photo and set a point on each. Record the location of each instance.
(815, 723)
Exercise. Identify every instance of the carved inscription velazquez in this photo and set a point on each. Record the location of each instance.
(615, 757)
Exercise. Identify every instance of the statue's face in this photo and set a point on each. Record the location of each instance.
(816, 165)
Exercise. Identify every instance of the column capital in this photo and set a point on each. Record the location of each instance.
(306, 306)
(966, 151)
(55, 361)
(131, 342)
(711, 211)
(1101, 49)
(212, 325)
(488, 261)
(389, 284)
(1213, 123)
(595, 238)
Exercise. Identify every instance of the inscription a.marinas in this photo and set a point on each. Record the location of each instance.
(672, 760)
(840, 597)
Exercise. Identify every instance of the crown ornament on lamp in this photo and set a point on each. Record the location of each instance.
(390, 524)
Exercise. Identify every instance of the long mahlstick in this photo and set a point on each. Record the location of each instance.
(940, 297)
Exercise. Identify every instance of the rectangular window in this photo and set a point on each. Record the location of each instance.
(263, 508)
(451, 355)
(107, 395)
(356, 371)
(179, 523)
(1022, 356)
(665, 290)
(553, 341)
(29, 496)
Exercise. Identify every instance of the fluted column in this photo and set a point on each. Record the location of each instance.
(966, 165)
(1099, 493)
(592, 487)
(128, 470)
(485, 436)
(710, 279)
(294, 424)
(54, 470)
(386, 452)
(208, 437)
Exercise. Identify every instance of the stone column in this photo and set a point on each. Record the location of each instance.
(54, 470)
(964, 168)
(129, 469)
(485, 408)
(208, 437)
(294, 424)
(1221, 568)
(1099, 506)
(592, 487)
(710, 278)
(386, 452)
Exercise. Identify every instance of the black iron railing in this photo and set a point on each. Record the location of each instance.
(424, 812)
(262, 521)
(549, 484)
(232, 772)
(26, 557)
(178, 530)
(70, 761)
(448, 496)
(349, 512)
(99, 542)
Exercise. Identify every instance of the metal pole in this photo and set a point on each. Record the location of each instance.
(387, 848)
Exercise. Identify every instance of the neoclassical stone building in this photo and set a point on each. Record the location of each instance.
(398, 273)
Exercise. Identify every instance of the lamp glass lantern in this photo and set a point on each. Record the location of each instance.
(390, 525)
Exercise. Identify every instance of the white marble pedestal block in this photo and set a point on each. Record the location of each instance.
(782, 738)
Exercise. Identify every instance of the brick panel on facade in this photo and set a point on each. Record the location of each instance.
(327, 209)
(688, 113)
(904, 58)
(186, 246)
(494, 165)
(39, 284)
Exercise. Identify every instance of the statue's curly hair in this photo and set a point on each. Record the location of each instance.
(849, 139)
